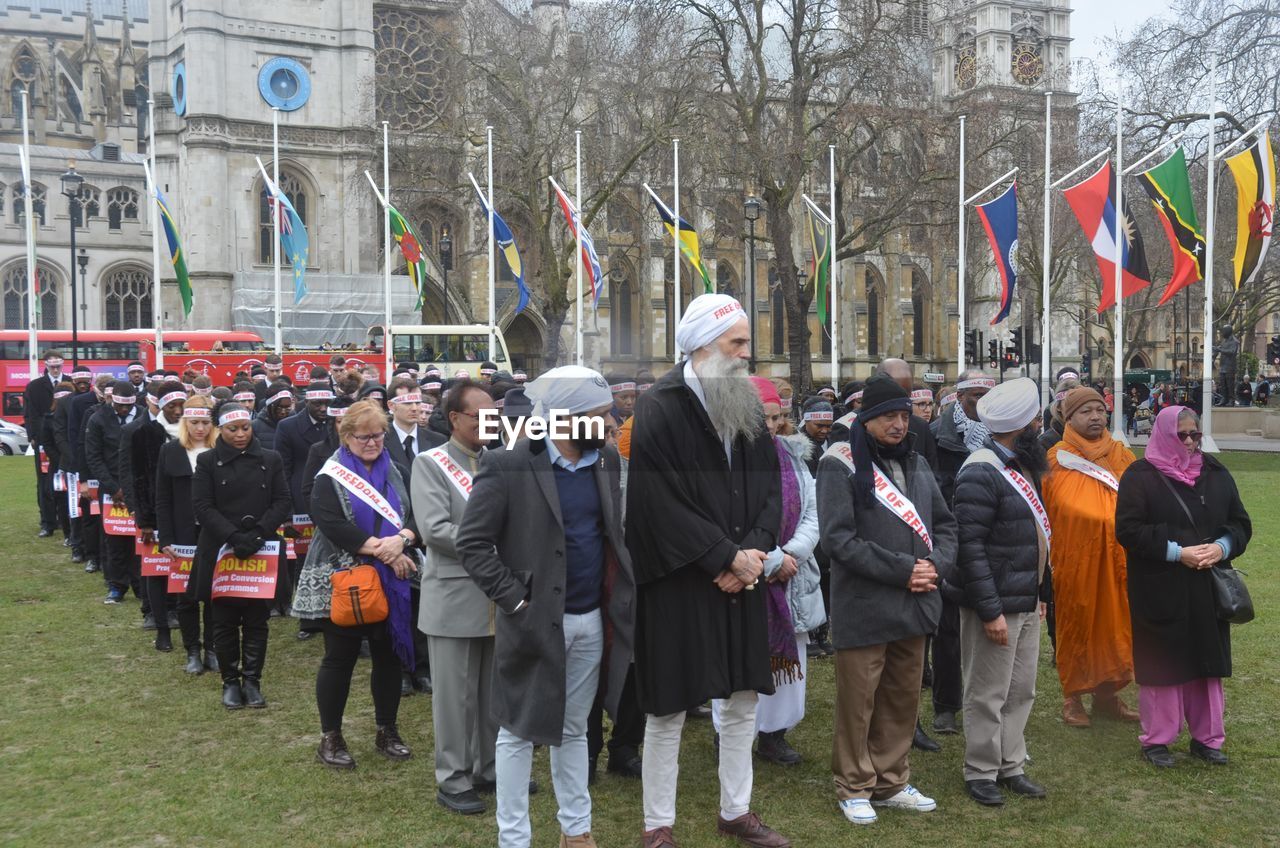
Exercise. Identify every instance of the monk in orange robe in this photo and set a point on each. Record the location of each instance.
(1095, 638)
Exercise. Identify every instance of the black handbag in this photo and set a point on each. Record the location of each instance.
(1230, 595)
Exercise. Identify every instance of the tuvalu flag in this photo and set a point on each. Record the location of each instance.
(1000, 220)
(688, 239)
(1094, 203)
(1169, 187)
(506, 242)
(411, 246)
(176, 253)
(294, 243)
(1254, 170)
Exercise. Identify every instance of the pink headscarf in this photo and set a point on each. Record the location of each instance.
(1167, 453)
(767, 390)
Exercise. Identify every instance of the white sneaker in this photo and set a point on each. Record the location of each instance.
(858, 811)
(909, 799)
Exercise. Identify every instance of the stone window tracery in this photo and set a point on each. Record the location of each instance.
(411, 62)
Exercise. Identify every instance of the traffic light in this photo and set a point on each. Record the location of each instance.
(1086, 364)
(971, 346)
(1273, 350)
(993, 353)
(1013, 351)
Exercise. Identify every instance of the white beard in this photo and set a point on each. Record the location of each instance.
(732, 402)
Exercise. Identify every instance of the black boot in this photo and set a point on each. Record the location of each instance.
(254, 651)
(210, 660)
(194, 666)
(922, 742)
(164, 642)
(775, 748)
(232, 694)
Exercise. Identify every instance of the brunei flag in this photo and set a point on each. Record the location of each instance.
(506, 242)
(176, 253)
(1254, 170)
(1000, 220)
(820, 243)
(1094, 203)
(1169, 187)
(411, 246)
(688, 239)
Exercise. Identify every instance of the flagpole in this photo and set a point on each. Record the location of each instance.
(157, 310)
(1046, 357)
(1206, 403)
(1117, 411)
(577, 175)
(835, 277)
(275, 218)
(492, 259)
(675, 241)
(960, 322)
(33, 356)
(386, 255)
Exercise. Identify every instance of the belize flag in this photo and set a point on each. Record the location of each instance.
(1000, 220)
(1094, 204)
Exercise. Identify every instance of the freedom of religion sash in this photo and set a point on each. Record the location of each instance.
(360, 487)
(1078, 463)
(887, 494)
(453, 472)
(1023, 487)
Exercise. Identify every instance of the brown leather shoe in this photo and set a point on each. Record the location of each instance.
(1073, 714)
(582, 840)
(390, 745)
(751, 831)
(1113, 707)
(333, 751)
(659, 838)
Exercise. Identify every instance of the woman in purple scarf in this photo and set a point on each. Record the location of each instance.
(360, 505)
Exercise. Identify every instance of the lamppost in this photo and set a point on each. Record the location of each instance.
(751, 211)
(71, 182)
(83, 261)
(446, 264)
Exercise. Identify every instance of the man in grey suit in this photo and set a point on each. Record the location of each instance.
(453, 612)
(542, 536)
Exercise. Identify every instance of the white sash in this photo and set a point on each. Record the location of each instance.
(360, 487)
(453, 472)
(887, 494)
(1023, 487)
(1078, 463)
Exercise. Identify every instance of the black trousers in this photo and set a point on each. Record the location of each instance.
(158, 602)
(120, 565)
(190, 620)
(333, 680)
(91, 534)
(240, 637)
(948, 689)
(628, 725)
(45, 498)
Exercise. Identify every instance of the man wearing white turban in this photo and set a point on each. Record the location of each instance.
(1004, 550)
(703, 506)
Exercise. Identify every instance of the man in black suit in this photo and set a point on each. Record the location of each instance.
(37, 400)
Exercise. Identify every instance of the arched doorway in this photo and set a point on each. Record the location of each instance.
(1138, 362)
(524, 343)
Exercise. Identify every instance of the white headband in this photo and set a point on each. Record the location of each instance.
(819, 415)
(643, 387)
(260, 378)
(622, 387)
(153, 398)
(947, 400)
(520, 378)
(921, 394)
(432, 386)
(55, 362)
(59, 395)
(82, 375)
(976, 383)
(855, 396)
(500, 402)
(408, 397)
(319, 394)
(165, 400)
(206, 390)
(108, 391)
(244, 396)
(1068, 375)
(827, 390)
(337, 411)
(230, 415)
(283, 394)
(133, 368)
(461, 372)
(197, 412)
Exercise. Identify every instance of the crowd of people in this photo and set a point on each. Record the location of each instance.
(687, 549)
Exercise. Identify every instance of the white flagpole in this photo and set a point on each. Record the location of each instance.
(1206, 402)
(577, 173)
(960, 321)
(675, 242)
(157, 308)
(1117, 412)
(33, 356)
(386, 255)
(1045, 257)
(833, 267)
(275, 221)
(492, 258)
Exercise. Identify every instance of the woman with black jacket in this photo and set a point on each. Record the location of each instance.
(54, 438)
(240, 497)
(176, 519)
(1178, 515)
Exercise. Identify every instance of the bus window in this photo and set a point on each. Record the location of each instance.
(444, 348)
(13, 350)
(13, 404)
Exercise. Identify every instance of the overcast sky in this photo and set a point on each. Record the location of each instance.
(1092, 20)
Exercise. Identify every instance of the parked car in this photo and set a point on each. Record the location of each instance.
(13, 439)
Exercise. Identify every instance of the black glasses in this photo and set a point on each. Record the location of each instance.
(1193, 435)
(369, 439)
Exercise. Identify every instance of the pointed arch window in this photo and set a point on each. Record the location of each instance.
(15, 297)
(90, 205)
(71, 101)
(873, 289)
(122, 205)
(37, 191)
(126, 299)
(777, 316)
(621, 311)
(920, 297)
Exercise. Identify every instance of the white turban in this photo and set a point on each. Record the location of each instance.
(1010, 406)
(569, 388)
(706, 319)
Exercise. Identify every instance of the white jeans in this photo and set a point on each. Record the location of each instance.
(661, 763)
(583, 649)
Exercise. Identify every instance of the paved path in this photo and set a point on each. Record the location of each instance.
(1230, 442)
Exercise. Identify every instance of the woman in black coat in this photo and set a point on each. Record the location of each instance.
(1178, 514)
(176, 519)
(241, 497)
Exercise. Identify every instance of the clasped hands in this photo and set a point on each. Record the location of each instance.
(742, 573)
(390, 550)
(924, 577)
(1201, 556)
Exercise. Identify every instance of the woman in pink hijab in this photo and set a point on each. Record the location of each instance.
(1178, 514)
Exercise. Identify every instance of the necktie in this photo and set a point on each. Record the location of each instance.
(408, 446)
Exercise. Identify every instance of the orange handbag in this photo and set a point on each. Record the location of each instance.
(357, 596)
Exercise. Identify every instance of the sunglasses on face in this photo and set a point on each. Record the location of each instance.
(1193, 435)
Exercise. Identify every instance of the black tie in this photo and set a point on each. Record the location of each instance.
(408, 447)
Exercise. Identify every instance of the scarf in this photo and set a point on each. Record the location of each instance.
(784, 656)
(399, 618)
(1104, 450)
(975, 433)
(1168, 454)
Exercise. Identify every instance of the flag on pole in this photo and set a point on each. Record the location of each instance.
(1094, 203)
(688, 241)
(820, 244)
(506, 241)
(29, 224)
(293, 238)
(176, 254)
(590, 262)
(1254, 170)
(411, 246)
(1169, 187)
(1000, 220)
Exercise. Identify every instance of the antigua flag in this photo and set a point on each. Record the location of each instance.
(1094, 204)
(590, 261)
(1000, 220)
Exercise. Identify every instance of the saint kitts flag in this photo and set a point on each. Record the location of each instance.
(1094, 203)
(1000, 220)
(1169, 187)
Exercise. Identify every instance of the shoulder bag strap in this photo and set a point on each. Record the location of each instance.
(1177, 497)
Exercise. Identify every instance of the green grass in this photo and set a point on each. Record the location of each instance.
(105, 742)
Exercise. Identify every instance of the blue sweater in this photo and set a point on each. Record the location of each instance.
(583, 537)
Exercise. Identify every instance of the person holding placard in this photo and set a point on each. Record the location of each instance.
(240, 497)
(101, 454)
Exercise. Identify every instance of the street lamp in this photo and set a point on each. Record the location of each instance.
(83, 260)
(71, 182)
(446, 264)
(751, 211)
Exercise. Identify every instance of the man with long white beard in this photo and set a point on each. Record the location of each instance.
(704, 504)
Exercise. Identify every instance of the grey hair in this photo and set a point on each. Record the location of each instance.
(1188, 412)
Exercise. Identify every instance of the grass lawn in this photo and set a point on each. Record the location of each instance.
(105, 742)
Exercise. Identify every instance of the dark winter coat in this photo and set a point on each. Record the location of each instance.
(998, 568)
(37, 400)
(102, 448)
(511, 541)
(175, 512)
(1177, 636)
(82, 408)
(145, 443)
(47, 437)
(952, 451)
(316, 458)
(264, 428)
(689, 512)
(58, 436)
(294, 437)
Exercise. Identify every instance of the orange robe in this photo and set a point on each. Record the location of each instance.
(1091, 604)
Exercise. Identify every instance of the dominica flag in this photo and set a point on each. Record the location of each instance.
(1254, 170)
(176, 254)
(688, 240)
(1169, 187)
(411, 247)
(819, 233)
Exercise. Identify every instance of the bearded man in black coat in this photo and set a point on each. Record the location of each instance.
(703, 506)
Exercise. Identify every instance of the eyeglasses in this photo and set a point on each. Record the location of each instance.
(1193, 435)
(369, 439)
